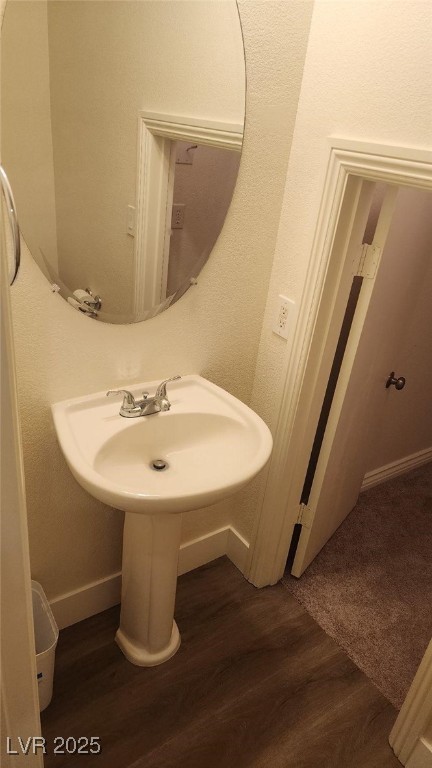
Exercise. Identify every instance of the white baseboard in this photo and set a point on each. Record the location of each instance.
(396, 468)
(98, 596)
(237, 549)
(84, 602)
(202, 550)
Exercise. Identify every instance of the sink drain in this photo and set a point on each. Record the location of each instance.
(159, 465)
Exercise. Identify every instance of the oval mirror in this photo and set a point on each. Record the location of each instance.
(122, 127)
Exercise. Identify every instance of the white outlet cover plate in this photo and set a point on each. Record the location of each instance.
(283, 316)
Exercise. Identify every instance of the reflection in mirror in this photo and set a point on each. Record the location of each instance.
(204, 181)
(122, 126)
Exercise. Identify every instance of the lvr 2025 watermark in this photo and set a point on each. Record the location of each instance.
(33, 745)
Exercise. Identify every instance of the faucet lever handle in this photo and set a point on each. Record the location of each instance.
(128, 398)
(161, 390)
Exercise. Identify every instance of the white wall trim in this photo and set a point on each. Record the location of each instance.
(152, 197)
(93, 598)
(396, 468)
(86, 601)
(421, 757)
(181, 128)
(154, 194)
(415, 716)
(237, 549)
(351, 166)
(19, 705)
(210, 546)
(202, 550)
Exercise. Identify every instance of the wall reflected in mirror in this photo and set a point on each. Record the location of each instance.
(76, 76)
(204, 182)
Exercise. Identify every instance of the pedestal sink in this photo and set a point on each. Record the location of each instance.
(206, 447)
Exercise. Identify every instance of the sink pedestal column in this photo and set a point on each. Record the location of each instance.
(148, 634)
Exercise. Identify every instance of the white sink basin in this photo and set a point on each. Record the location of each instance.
(211, 443)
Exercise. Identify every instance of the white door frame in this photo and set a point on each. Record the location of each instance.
(154, 192)
(19, 695)
(352, 166)
(408, 738)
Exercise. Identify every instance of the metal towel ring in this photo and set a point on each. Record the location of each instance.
(10, 204)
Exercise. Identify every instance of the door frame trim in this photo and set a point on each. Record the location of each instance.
(351, 166)
(416, 713)
(19, 702)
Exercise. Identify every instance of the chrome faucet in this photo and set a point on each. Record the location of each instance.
(132, 408)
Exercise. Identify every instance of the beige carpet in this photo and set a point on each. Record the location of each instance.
(370, 588)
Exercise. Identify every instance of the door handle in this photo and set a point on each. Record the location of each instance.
(393, 382)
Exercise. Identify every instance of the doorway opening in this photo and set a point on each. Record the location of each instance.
(370, 585)
(353, 170)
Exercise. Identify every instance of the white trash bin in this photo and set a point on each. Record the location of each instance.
(46, 637)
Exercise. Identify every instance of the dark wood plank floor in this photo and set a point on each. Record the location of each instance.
(256, 684)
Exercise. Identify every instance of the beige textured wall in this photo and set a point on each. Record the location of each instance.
(169, 57)
(28, 155)
(406, 418)
(213, 330)
(367, 76)
(205, 188)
